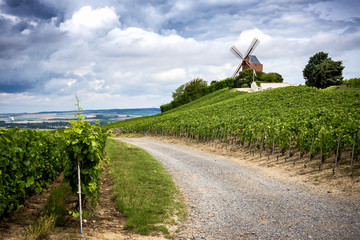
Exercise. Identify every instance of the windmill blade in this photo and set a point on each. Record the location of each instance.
(236, 52)
(255, 42)
(237, 70)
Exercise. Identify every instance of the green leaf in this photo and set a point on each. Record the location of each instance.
(29, 182)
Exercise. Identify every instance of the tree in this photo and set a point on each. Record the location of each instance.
(271, 77)
(322, 72)
(178, 92)
(247, 77)
(194, 89)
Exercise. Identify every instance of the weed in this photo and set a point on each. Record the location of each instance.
(40, 228)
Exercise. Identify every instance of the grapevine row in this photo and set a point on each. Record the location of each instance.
(30, 160)
(303, 118)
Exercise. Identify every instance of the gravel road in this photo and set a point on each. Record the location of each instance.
(229, 200)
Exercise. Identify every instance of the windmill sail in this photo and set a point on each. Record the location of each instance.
(255, 42)
(236, 52)
(237, 70)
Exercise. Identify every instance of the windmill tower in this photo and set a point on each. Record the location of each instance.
(247, 61)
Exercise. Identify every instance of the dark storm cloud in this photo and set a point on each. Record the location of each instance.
(26, 8)
(26, 77)
(8, 47)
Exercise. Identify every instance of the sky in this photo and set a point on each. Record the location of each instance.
(134, 54)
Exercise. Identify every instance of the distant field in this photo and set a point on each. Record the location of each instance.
(61, 119)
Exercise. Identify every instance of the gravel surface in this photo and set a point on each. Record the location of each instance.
(228, 200)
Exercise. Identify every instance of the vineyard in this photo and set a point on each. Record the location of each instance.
(284, 121)
(30, 160)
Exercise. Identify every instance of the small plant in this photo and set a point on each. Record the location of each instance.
(86, 144)
(40, 228)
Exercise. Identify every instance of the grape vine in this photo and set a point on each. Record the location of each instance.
(30, 160)
(303, 118)
(86, 143)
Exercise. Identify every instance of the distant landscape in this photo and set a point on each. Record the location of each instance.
(61, 119)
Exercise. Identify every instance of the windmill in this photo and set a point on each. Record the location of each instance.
(249, 61)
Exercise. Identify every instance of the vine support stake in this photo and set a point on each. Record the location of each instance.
(321, 151)
(277, 157)
(337, 153)
(79, 192)
(289, 146)
(311, 147)
(302, 135)
(352, 152)
(256, 142)
(262, 143)
(252, 134)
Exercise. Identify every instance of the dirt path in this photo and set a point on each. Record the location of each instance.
(230, 199)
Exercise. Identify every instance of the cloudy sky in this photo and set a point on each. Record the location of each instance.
(133, 54)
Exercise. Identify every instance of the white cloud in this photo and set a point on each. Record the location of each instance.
(85, 69)
(175, 74)
(88, 22)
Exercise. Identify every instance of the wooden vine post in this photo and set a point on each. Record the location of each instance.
(277, 157)
(289, 147)
(311, 147)
(321, 151)
(262, 143)
(337, 153)
(352, 152)
(79, 192)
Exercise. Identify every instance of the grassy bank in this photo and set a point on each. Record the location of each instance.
(143, 190)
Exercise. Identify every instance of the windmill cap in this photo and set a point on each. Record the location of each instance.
(253, 59)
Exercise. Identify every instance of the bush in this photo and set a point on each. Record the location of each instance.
(271, 77)
(353, 82)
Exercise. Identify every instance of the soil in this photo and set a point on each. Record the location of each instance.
(107, 223)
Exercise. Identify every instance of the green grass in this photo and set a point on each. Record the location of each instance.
(56, 204)
(143, 190)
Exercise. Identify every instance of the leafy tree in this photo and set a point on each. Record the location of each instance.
(178, 92)
(245, 78)
(271, 77)
(321, 71)
(194, 89)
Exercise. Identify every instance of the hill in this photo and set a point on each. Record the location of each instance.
(301, 117)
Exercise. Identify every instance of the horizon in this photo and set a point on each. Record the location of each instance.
(5, 113)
